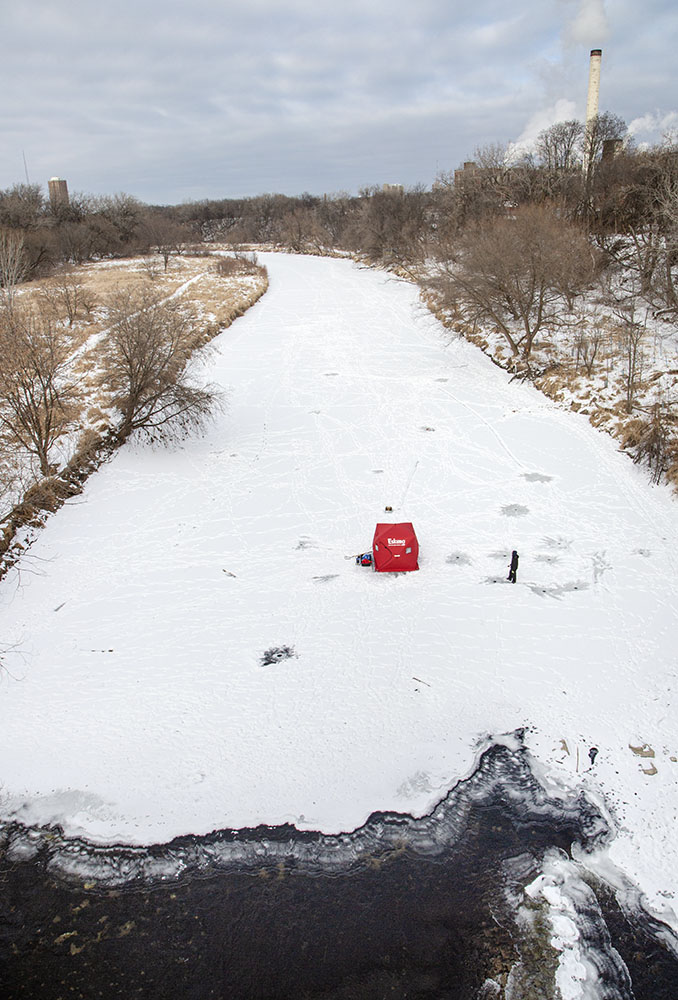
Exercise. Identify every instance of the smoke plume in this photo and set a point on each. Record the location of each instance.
(589, 26)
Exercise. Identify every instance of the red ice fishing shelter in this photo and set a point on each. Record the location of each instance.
(395, 548)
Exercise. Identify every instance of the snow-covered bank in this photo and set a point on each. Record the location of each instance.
(134, 705)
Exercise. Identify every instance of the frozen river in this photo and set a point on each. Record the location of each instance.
(135, 703)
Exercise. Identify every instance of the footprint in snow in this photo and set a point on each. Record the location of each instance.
(305, 543)
(556, 543)
(600, 565)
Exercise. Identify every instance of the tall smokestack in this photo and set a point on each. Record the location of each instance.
(591, 105)
(594, 85)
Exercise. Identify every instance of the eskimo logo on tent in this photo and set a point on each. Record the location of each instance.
(396, 541)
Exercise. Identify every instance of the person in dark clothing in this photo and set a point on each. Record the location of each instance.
(514, 567)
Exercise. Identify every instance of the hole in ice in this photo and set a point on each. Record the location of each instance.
(537, 477)
(551, 560)
(276, 654)
(458, 559)
(515, 510)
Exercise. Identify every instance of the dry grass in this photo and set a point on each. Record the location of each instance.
(212, 300)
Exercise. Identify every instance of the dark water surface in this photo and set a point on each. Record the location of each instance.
(399, 909)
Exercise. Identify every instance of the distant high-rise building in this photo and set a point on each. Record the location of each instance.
(58, 192)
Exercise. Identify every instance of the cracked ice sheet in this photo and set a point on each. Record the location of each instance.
(134, 706)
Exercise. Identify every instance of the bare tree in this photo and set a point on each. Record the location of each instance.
(38, 398)
(164, 236)
(631, 331)
(12, 264)
(558, 147)
(147, 367)
(598, 130)
(513, 272)
(66, 294)
(21, 206)
(667, 211)
(654, 442)
(588, 341)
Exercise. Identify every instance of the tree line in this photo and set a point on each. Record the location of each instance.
(46, 236)
(509, 242)
(585, 176)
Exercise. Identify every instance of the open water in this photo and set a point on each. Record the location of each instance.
(431, 908)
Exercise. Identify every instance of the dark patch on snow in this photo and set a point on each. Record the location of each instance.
(427, 428)
(276, 654)
(551, 560)
(537, 477)
(330, 374)
(642, 552)
(557, 590)
(324, 579)
(515, 510)
(500, 554)
(458, 559)
(377, 471)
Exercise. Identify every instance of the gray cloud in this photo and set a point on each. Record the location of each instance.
(227, 97)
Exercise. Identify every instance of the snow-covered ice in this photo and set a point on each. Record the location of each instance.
(134, 704)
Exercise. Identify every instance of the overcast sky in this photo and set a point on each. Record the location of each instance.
(191, 99)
